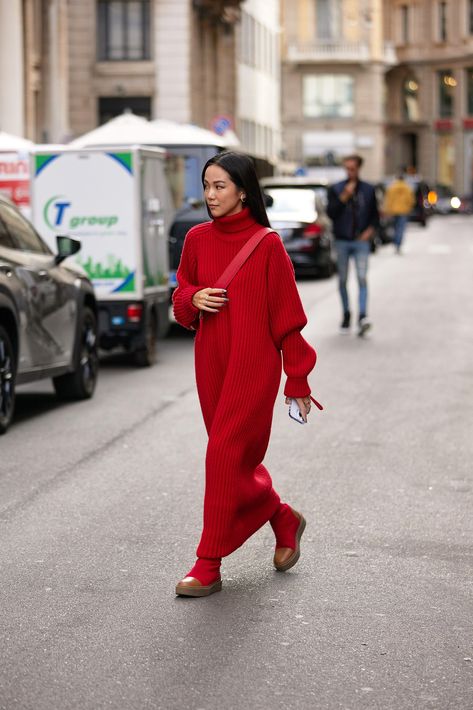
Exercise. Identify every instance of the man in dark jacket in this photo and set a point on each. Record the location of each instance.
(353, 209)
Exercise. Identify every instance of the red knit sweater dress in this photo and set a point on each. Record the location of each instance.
(238, 370)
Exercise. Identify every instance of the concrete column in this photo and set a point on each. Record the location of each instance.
(58, 109)
(172, 21)
(12, 103)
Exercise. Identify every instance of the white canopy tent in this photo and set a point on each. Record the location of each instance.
(129, 129)
(14, 144)
(172, 133)
(126, 129)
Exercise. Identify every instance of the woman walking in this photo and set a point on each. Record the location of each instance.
(241, 333)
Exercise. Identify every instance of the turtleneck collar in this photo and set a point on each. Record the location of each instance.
(235, 226)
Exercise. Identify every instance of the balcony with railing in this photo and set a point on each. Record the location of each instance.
(332, 51)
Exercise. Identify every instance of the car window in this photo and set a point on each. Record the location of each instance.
(5, 239)
(288, 200)
(21, 231)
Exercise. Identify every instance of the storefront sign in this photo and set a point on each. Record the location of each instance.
(444, 124)
(15, 178)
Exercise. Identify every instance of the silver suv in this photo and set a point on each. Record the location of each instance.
(48, 315)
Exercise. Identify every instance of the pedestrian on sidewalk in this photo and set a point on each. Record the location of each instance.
(399, 201)
(353, 208)
(241, 334)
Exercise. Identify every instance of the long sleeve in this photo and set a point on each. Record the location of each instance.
(185, 312)
(335, 206)
(287, 318)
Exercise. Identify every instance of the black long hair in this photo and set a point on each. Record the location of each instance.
(242, 172)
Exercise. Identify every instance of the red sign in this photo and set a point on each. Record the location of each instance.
(468, 124)
(18, 191)
(14, 178)
(445, 124)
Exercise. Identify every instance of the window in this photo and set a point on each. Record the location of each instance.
(328, 15)
(446, 160)
(469, 88)
(22, 233)
(111, 106)
(410, 91)
(328, 96)
(123, 30)
(286, 199)
(443, 21)
(405, 24)
(447, 84)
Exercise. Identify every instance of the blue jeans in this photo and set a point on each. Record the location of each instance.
(400, 222)
(360, 251)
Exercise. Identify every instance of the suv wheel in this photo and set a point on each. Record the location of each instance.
(7, 380)
(80, 384)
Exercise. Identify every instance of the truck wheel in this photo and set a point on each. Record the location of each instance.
(146, 357)
(7, 380)
(80, 384)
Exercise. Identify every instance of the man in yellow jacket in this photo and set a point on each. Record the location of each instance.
(398, 203)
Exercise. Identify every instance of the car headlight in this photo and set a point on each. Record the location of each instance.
(455, 203)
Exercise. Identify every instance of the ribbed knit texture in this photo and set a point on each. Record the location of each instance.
(206, 571)
(238, 370)
(285, 526)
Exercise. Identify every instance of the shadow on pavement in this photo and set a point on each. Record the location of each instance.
(32, 404)
(121, 359)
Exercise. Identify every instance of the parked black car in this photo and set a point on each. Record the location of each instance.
(309, 243)
(384, 233)
(297, 212)
(48, 315)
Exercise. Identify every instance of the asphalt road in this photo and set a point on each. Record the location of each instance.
(100, 510)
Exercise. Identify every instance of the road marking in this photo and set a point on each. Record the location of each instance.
(439, 249)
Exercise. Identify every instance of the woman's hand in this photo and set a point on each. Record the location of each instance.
(210, 299)
(304, 404)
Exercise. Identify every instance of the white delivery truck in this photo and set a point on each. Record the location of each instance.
(118, 203)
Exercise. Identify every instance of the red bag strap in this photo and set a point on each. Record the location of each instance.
(317, 404)
(245, 252)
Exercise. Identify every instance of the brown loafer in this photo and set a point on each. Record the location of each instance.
(286, 557)
(191, 587)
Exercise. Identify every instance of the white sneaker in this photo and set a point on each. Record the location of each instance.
(363, 326)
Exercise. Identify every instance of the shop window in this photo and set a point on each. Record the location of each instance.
(447, 85)
(446, 160)
(123, 30)
(328, 96)
(410, 92)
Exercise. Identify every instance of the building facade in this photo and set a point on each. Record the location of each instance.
(334, 62)
(67, 66)
(258, 107)
(430, 91)
(34, 68)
